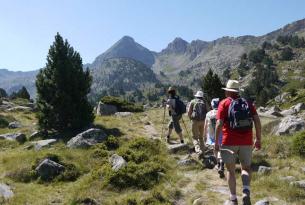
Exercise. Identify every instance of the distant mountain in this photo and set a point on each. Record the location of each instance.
(126, 47)
(13, 80)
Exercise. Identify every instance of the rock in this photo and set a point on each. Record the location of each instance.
(87, 138)
(261, 109)
(14, 125)
(104, 109)
(123, 114)
(300, 184)
(299, 107)
(264, 170)
(187, 162)
(49, 169)
(38, 145)
(147, 106)
(221, 189)
(117, 162)
(20, 108)
(287, 178)
(38, 134)
(274, 111)
(200, 201)
(19, 137)
(6, 191)
(282, 98)
(290, 111)
(289, 125)
(262, 202)
(173, 148)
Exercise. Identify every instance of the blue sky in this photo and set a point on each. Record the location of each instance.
(27, 27)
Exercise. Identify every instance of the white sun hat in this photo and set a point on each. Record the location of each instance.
(232, 86)
(199, 94)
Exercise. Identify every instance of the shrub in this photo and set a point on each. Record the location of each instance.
(122, 105)
(3, 122)
(24, 175)
(112, 142)
(100, 151)
(298, 144)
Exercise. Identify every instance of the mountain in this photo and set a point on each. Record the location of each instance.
(126, 47)
(13, 80)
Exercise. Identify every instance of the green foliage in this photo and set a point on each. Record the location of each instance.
(211, 86)
(298, 144)
(122, 105)
(22, 93)
(257, 56)
(3, 93)
(3, 122)
(112, 142)
(286, 54)
(293, 41)
(145, 162)
(62, 88)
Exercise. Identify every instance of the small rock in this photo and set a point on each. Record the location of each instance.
(6, 191)
(123, 114)
(187, 162)
(199, 201)
(38, 134)
(14, 125)
(38, 145)
(264, 170)
(174, 148)
(287, 178)
(87, 138)
(19, 137)
(300, 184)
(49, 169)
(117, 162)
(221, 189)
(104, 109)
(262, 202)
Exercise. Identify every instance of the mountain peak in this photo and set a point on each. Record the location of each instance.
(178, 45)
(127, 39)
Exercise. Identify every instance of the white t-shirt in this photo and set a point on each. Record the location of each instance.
(210, 130)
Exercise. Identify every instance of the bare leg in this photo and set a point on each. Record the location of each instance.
(180, 136)
(231, 178)
(170, 130)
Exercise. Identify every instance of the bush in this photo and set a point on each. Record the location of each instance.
(100, 152)
(298, 144)
(122, 105)
(3, 122)
(112, 142)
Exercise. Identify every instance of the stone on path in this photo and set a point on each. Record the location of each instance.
(6, 191)
(20, 108)
(174, 148)
(262, 202)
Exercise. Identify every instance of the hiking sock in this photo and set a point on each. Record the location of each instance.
(233, 197)
(246, 189)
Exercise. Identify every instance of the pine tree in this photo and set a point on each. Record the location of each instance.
(62, 88)
(211, 85)
(23, 93)
(3, 93)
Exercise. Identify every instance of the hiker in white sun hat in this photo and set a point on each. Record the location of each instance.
(232, 86)
(197, 112)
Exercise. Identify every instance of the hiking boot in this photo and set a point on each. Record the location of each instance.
(221, 173)
(231, 202)
(167, 139)
(246, 197)
(182, 141)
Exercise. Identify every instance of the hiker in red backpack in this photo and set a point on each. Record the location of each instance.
(176, 109)
(235, 117)
(197, 112)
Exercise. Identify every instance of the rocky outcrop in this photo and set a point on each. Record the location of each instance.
(289, 125)
(293, 110)
(117, 162)
(49, 169)
(19, 137)
(104, 109)
(87, 139)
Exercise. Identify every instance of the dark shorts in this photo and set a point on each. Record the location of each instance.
(174, 123)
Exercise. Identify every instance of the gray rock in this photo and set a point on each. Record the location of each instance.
(173, 148)
(19, 137)
(6, 191)
(14, 125)
(264, 170)
(221, 189)
(288, 112)
(104, 109)
(287, 178)
(38, 145)
(87, 138)
(123, 114)
(299, 107)
(274, 111)
(289, 125)
(38, 134)
(300, 184)
(49, 169)
(20, 108)
(262, 202)
(187, 162)
(261, 109)
(117, 162)
(282, 97)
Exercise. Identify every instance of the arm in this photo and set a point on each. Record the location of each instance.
(205, 130)
(218, 128)
(190, 111)
(258, 132)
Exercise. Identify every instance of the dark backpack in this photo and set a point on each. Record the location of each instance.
(239, 114)
(180, 107)
(213, 123)
(199, 110)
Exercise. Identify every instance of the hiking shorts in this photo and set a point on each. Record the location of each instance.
(174, 123)
(197, 129)
(243, 152)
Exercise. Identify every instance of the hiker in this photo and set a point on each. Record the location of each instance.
(235, 116)
(176, 110)
(197, 112)
(209, 132)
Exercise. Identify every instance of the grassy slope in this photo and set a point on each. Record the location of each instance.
(183, 185)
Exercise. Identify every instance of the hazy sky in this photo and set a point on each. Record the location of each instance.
(27, 27)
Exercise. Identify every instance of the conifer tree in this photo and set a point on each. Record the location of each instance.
(211, 85)
(62, 88)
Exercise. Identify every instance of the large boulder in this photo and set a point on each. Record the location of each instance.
(299, 107)
(19, 137)
(87, 138)
(117, 162)
(49, 169)
(6, 191)
(105, 109)
(289, 125)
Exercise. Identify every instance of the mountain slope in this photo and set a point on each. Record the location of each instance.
(126, 47)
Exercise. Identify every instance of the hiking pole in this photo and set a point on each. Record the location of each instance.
(185, 127)
(163, 120)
